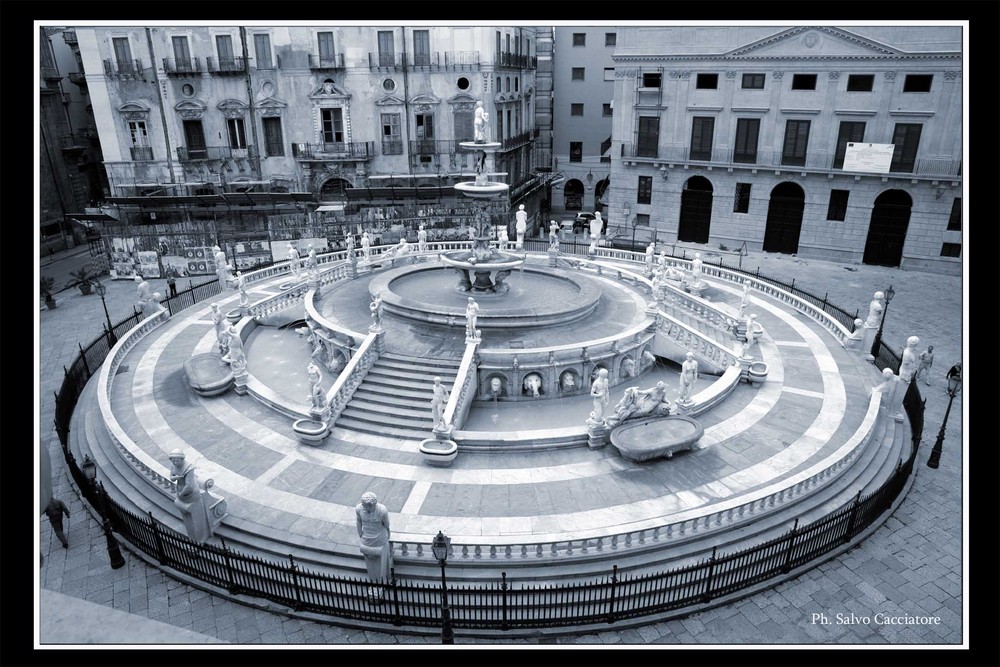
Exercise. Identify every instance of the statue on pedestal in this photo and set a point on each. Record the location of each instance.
(521, 226)
(601, 393)
(481, 123)
(222, 268)
(637, 402)
(241, 285)
(199, 519)
(317, 396)
(376, 310)
(293, 261)
(366, 246)
(221, 329)
(875, 309)
(689, 374)
(374, 533)
(422, 239)
(745, 299)
(911, 360)
(235, 357)
(471, 318)
(553, 235)
(503, 240)
(650, 250)
(439, 401)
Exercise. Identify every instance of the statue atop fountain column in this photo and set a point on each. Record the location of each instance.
(481, 123)
(471, 319)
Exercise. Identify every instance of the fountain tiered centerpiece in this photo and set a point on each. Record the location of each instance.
(489, 267)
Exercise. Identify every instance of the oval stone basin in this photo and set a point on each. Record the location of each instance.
(207, 374)
(649, 439)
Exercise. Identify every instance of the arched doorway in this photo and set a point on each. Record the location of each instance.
(784, 219)
(887, 229)
(335, 189)
(573, 194)
(696, 210)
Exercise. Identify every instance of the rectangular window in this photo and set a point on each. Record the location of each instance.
(918, 83)
(793, 151)
(576, 151)
(753, 82)
(498, 45)
(576, 109)
(955, 219)
(274, 142)
(224, 45)
(237, 133)
(645, 192)
(642, 219)
(194, 137)
(610, 39)
(651, 79)
(951, 249)
(803, 82)
(747, 131)
(702, 129)
(838, 205)
(464, 126)
(707, 81)
(579, 39)
(609, 73)
(860, 83)
(392, 143)
(422, 48)
(333, 125)
(123, 55)
(262, 50)
(850, 132)
(425, 126)
(648, 140)
(578, 73)
(607, 110)
(906, 139)
(182, 53)
(324, 41)
(141, 149)
(386, 49)
(741, 198)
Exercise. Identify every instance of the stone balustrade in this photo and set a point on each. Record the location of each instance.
(692, 339)
(463, 391)
(352, 376)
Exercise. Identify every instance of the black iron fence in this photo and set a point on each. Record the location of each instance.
(493, 605)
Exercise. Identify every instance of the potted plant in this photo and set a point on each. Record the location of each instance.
(47, 285)
(85, 278)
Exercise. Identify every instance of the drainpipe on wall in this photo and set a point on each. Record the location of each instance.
(163, 114)
(406, 105)
(253, 118)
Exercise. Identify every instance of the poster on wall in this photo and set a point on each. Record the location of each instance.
(200, 261)
(870, 158)
(149, 265)
(124, 259)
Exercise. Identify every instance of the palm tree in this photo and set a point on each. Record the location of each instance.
(47, 284)
(85, 278)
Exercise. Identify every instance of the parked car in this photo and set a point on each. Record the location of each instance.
(582, 223)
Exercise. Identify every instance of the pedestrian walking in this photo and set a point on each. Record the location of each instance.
(955, 372)
(55, 510)
(172, 281)
(926, 361)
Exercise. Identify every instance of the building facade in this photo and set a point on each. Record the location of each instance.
(250, 136)
(729, 135)
(583, 75)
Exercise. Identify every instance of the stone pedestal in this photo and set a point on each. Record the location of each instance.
(684, 407)
(696, 288)
(380, 342)
(352, 266)
(744, 366)
(553, 257)
(240, 382)
(866, 343)
(314, 282)
(443, 432)
(597, 433)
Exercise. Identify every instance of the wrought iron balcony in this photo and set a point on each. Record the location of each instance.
(461, 60)
(510, 143)
(515, 60)
(386, 60)
(432, 147)
(332, 61)
(127, 69)
(432, 59)
(78, 78)
(214, 153)
(182, 66)
(142, 153)
(235, 65)
(357, 150)
(392, 147)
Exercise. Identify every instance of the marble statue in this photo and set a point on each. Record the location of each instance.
(471, 318)
(853, 341)
(221, 329)
(374, 533)
(422, 239)
(745, 299)
(696, 268)
(567, 381)
(241, 285)
(553, 235)
(472, 233)
(293, 261)
(350, 247)
(439, 401)
(689, 374)
(601, 393)
(312, 263)
(628, 367)
(521, 226)
(875, 309)
(142, 292)
(637, 402)
(316, 394)
(532, 385)
(498, 281)
(376, 309)
(751, 324)
(650, 250)
(503, 240)
(911, 360)
(596, 226)
(481, 123)
(190, 499)
(366, 246)
(235, 357)
(222, 268)
(402, 248)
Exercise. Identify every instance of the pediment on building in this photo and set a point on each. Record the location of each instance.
(463, 98)
(133, 110)
(425, 99)
(389, 101)
(271, 106)
(813, 41)
(329, 90)
(233, 108)
(190, 109)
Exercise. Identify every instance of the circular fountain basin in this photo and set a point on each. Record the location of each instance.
(486, 190)
(652, 438)
(538, 296)
(464, 259)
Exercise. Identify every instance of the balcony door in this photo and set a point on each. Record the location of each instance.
(194, 138)
(386, 49)
(422, 48)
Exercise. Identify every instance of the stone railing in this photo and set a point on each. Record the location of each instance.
(692, 339)
(463, 390)
(149, 468)
(346, 339)
(677, 300)
(352, 376)
(685, 525)
(278, 302)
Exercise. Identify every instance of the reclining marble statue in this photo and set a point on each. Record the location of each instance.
(638, 403)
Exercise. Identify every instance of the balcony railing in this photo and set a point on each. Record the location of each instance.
(515, 60)
(461, 59)
(392, 147)
(777, 160)
(432, 147)
(510, 143)
(182, 66)
(78, 79)
(142, 153)
(74, 141)
(432, 59)
(235, 65)
(217, 153)
(357, 150)
(332, 61)
(127, 69)
(386, 60)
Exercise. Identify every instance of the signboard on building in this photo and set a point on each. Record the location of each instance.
(871, 158)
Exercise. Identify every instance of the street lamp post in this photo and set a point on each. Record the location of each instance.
(114, 551)
(889, 293)
(101, 291)
(440, 548)
(954, 384)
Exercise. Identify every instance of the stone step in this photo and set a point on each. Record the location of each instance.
(425, 376)
(380, 410)
(353, 424)
(388, 419)
(423, 366)
(420, 361)
(420, 400)
(392, 382)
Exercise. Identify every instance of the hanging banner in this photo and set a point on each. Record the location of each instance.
(871, 158)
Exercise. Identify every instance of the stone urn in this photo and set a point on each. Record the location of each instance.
(757, 373)
(234, 316)
(310, 431)
(438, 452)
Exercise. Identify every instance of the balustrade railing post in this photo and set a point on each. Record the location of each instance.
(787, 565)
(503, 592)
(854, 517)
(160, 553)
(706, 595)
(611, 598)
(397, 618)
(295, 583)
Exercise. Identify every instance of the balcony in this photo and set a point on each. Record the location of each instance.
(461, 60)
(142, 153)
(508, 60)
(392, 147)
(510, 143)
(426, 60)
(49, 73)
(358, 150)
(78, 79)
(214, 153)
(432, 147)
(127, 69)
(182, 66)
(386, 60)
(73, 141)
(332, 61)
(235, 65)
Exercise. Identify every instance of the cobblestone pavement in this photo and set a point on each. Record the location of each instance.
(911, 566)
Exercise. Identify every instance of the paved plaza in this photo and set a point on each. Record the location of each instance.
(912, 565)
